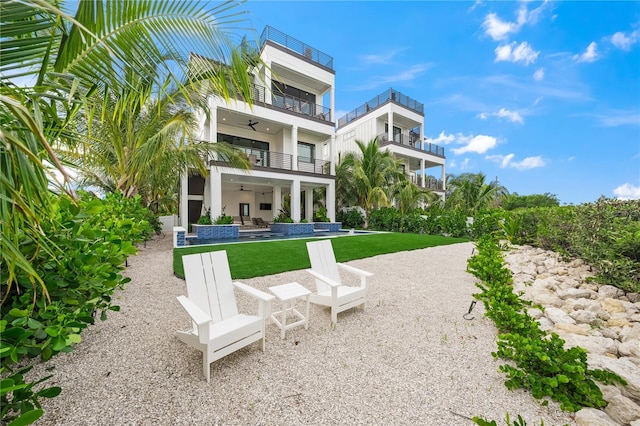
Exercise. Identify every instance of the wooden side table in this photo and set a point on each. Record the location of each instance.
(290, 292)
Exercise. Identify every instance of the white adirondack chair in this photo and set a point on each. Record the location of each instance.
(330, 292)
(218, 328)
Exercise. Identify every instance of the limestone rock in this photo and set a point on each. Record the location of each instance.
(558, 316)
(610, 291)
(612, 306)
(592, 344)
(624, 368)
(630, 348)
(594, 417)
(633, 297)
(574, 293)
(619, 407)
(585, 317)
(570, 328)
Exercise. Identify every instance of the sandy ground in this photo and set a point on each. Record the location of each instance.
(408, 359)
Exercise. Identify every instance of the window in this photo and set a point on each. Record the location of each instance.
(244, 209)
(397, 132)
(257, 151)
(306, 152)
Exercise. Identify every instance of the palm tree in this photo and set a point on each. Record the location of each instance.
(470, 193)
(367, 178)
(73, 64)
(407, 196)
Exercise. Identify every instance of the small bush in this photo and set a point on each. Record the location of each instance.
(350, 218)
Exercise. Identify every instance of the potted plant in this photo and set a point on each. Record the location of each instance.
(222, 228)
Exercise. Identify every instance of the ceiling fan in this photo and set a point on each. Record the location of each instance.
(243, 190)
(251, 124)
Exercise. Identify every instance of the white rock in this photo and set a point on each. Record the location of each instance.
(630, 332)
(535, 313)
(622, 409)
(592, 344)
(574, 293)
(585, 317)
(545, 324)
(558, 316)
(630, 348)
(594, 417)
(610, 291)
(623, 367)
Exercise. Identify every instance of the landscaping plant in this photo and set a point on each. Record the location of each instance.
(537, 361)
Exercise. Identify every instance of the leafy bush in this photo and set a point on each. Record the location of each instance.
(223, 219)
(283, 217)
(537, 362)
(89, 244)
(205, 219)
(320, 215)
(350, 218)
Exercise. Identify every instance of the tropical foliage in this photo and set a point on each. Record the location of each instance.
(516, 201)
(82, 84)
(470, 193)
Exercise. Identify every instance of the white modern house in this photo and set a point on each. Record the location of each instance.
(398, 123)
(288, 134)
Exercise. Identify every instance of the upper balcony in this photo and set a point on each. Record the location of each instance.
(291, 104)
(314, 55)
(412, 141)
(389, 95)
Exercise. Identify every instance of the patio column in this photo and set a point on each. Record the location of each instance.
(184, 200)
(331, 201)
(443, 177)
(294, 148)
(295, 200)
(390, 132)
(422, 172)
(215, 193)
(332, 156)
(277, 201)
(308, 204)
(213, 123)
(332, 103)
(267, 83)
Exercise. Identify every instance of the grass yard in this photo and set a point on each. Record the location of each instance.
(256, 259)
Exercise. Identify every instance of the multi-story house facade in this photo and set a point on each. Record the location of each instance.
(288, 134)
(398, 123)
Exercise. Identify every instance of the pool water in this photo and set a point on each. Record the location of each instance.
(254, 236)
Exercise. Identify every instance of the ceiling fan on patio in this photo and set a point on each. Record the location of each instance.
(243, 190)
(251, 124)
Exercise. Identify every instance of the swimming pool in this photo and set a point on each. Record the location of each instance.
(255, 236)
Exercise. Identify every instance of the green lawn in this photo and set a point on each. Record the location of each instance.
(256, 259)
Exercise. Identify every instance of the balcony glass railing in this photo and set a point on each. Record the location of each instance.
(389, 95)
(281, 161)
(291, 103)
(270, 33)
(413, 142)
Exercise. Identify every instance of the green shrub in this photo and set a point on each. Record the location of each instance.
(350, 218)
(223, 219)
(89, 244)
(537, 362)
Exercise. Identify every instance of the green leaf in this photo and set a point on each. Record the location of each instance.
(59, 343)
(51, 392)
(73, 338)
(19, 312)
(27, 418)
(33, 324)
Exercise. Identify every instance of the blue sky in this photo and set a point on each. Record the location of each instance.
(545, 96)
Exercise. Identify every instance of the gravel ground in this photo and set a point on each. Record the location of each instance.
(409, 359)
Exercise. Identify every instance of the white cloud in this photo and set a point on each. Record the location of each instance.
(589, 55)
(537, 101)
(539, 74)
(624, 42)
(442, 139)
(512, 116)
(382, 58)
(627, 191)
(477, 144)
(516, 53)
(465, 164)
(498, 29)
(528, 163)
(507, 161)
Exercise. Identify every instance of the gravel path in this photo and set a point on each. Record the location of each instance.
(409, 359)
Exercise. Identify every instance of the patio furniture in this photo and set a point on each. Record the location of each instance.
(218, 328)
(330, 291)
(290, 293)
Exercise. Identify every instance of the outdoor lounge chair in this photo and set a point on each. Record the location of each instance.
(218, 328)
(330, 292)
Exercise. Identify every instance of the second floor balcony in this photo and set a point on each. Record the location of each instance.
(411, 141)
(278, 161)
